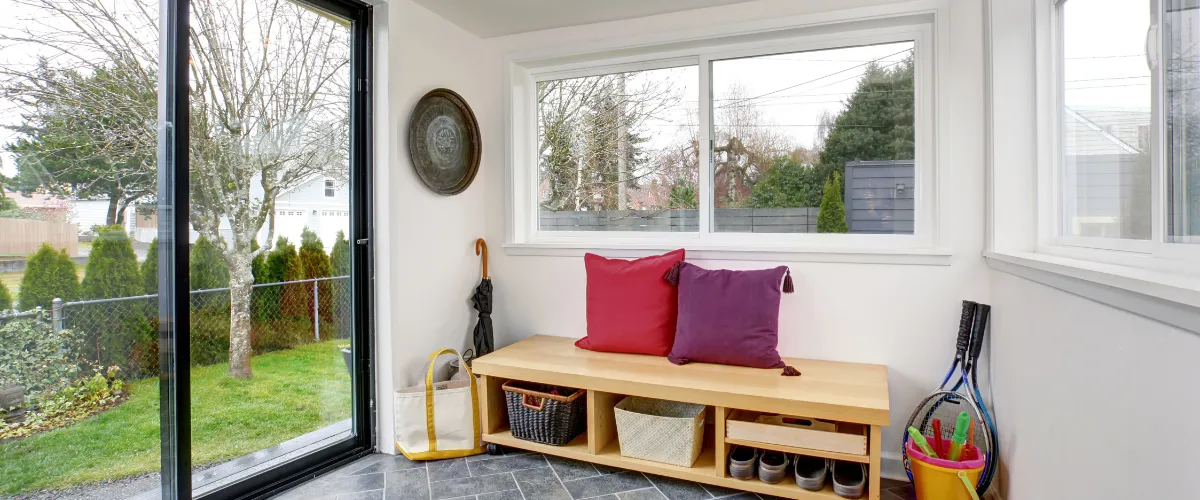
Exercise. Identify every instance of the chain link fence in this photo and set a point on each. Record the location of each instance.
(124, 331)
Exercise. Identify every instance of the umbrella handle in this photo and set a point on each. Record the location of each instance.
(480, 244)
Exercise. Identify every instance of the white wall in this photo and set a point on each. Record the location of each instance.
(1091, 401)
(425, 262)
(911, 319)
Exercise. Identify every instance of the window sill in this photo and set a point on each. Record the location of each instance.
(776, 253)
(1171, 298)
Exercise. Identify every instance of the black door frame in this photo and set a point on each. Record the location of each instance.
(174, 237)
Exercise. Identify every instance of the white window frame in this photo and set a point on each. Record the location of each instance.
(1155, 253)
(523, 72)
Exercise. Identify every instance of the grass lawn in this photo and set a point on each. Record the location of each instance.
(292, 393)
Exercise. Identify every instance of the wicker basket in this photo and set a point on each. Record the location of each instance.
(662, 431)
(536, 414)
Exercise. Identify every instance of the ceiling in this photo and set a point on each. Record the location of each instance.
(489, 18)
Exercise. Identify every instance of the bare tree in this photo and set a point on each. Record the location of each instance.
(589, 154)
(270, 105)
(269, 87)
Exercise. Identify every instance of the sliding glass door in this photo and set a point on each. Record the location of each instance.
(184, 286)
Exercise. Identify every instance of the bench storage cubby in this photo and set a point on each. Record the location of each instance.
(855, 396)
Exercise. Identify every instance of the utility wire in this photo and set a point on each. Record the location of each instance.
(773, 92)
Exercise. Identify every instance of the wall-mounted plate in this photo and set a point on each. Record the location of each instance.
(444, 142)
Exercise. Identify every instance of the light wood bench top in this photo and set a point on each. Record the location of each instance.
(848, 392)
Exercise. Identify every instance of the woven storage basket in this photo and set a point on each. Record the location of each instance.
(534, 414)
(662, 431)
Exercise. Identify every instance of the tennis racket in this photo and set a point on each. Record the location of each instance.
(946, 403)
(971, 381)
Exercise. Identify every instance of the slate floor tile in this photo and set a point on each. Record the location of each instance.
(442, 470)
(341, 485)
(388, 463)
(516, 475)
(902, 492)
(501, 495)
(570, 470)
(676, 489)
(741, 495)
(540, 484)
(363, 495)
(646, 494)
(507, 464)
(411, 484)
(720, 491)
(474, 485)
(604, 485)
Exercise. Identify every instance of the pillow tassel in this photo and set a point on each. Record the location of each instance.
(787, 284)
(672, 275)
(789, 371)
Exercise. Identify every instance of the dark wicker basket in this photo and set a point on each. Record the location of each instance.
(535, 414)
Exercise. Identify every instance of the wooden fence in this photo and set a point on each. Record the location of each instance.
(741, 220)
(24, 236)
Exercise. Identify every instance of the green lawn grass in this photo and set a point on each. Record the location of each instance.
(292, 393)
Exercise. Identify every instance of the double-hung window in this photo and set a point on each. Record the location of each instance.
(808, 139)
(1122, 180)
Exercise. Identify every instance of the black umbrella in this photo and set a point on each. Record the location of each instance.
(482, 299)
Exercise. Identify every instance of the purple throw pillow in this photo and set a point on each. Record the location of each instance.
(728, 317)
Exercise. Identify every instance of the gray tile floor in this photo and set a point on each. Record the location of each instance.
(516, 475)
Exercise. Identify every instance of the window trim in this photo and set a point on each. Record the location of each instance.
(523, 71)
(1154, 253)
(1018, 64)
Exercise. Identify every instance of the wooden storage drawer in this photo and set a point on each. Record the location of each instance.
(846, 438)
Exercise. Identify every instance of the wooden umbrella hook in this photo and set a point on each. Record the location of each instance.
(481, 247)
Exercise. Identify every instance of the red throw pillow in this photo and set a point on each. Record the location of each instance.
(630, 308)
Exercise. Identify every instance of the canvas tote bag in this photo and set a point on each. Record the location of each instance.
(435, 421)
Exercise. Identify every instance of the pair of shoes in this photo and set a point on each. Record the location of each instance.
(742, 462)
(769, 466)
(772, 467)
(849, 478)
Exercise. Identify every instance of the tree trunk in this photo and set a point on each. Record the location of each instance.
(240, 283)
(622, 147)
(113, 216)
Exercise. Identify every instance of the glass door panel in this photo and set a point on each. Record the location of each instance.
(79, 275)
(270, 209)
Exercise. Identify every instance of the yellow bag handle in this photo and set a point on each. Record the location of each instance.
(429, 425)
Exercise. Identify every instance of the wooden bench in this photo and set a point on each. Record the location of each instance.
(843, 392)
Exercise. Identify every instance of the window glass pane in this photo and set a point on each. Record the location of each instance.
(1106, 116)
(819, 141)
(618, 152)
(79, 386)
(270, 300)
(1181, 60)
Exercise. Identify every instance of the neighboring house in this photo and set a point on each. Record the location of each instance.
(320, 204)
(1102, 151)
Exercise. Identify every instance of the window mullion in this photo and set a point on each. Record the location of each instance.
(1158, 121)
(704, 144)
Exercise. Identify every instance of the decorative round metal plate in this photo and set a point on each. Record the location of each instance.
(444, 143)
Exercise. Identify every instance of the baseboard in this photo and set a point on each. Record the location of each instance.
(891, 466)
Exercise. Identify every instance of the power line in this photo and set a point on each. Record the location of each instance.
(1109, 78)
(773, 92)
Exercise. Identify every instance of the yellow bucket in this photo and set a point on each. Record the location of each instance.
(936, 482)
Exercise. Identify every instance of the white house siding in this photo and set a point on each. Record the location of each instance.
(90, 213)
(306, 206)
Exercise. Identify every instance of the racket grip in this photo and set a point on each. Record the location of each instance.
(964, 327)
(982, 312)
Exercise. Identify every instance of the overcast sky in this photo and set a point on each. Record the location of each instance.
(1105, 68)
